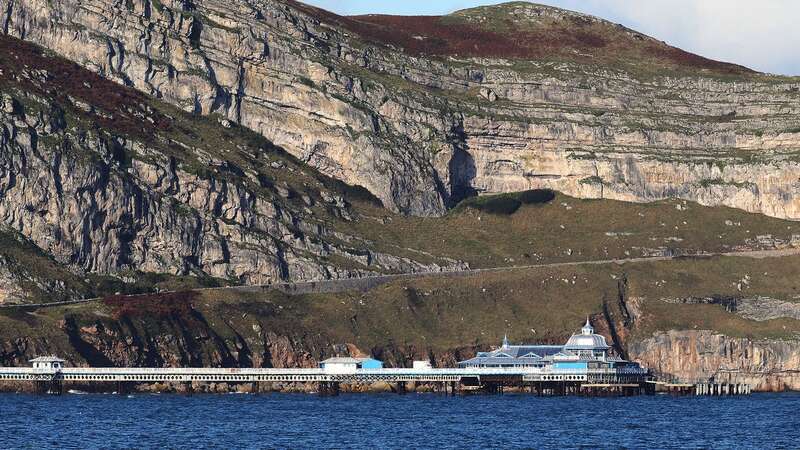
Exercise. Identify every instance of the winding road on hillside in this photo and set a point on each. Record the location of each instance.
(366, 283)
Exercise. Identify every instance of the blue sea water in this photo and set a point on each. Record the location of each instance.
(395, 421)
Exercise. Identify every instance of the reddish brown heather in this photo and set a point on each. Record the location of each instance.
(174, 304)
(571, 40)
(116, 108)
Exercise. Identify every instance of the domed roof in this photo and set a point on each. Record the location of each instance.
(587, 340)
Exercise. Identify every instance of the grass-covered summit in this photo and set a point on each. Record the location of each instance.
(528, 31)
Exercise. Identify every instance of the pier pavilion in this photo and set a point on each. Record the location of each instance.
(582, 353)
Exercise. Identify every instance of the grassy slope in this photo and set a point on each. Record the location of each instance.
(592, 229)
(437, 314)
(478, 310)
(531, 235)
(770, 277)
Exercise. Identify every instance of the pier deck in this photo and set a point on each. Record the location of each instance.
(489, 379)
(131, 374)
(49, 375)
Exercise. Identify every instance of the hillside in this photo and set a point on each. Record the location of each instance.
(104, 180)
(580, 106)
(107, 181)
(108, 190)
(527, 31)
(689, 318)
(169, 146)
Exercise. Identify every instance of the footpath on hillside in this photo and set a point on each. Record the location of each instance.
(370, 282)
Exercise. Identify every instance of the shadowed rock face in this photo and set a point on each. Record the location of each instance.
(420, 131)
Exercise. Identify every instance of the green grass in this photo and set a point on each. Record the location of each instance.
(444, 316)
(531, 305)
(567, 229)
(719, 182)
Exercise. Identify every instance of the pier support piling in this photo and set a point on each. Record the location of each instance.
(328, 388)
(49, 387)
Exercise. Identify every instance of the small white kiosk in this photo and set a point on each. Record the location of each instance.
(48, 363)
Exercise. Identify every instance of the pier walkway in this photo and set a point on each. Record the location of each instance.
(131, 374)
(49, 376)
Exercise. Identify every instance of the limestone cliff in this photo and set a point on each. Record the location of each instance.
(693, 355)
(588, 108)
(99, 179)
(697, 355)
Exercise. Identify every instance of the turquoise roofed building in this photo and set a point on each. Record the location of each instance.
(583, 354)
(349, 364)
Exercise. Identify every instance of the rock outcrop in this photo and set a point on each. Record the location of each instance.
(423, 131)
(759, 308)
(106, 182)
(698, 355)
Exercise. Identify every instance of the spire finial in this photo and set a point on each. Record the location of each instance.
(505, 340)
(587, 329)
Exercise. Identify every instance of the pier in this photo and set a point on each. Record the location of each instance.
(582, 366)
(52, 380)
(722, 389)
(49, 376)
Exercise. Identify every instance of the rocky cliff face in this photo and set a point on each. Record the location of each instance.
(421, 130)
(767, 365)
(105, 181)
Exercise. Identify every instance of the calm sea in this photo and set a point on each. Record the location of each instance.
(394, 421)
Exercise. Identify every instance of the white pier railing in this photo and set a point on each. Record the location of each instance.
(132, 374)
